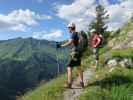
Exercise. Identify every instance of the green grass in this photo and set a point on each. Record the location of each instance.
(49, 91)
(121, 35)
(110, 54)
(117, 85)
(127, 53)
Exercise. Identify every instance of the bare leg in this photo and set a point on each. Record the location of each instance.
(69, 74)
(80, 74)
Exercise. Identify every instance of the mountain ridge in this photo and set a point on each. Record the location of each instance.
(25, 62)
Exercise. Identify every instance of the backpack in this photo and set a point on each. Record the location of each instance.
(94, 40)
(83, 41)
(78, 52)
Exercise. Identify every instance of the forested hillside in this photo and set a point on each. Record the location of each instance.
(24, 63)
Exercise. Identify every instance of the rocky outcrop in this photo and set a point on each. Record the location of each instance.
(123, 62)
(124, 41)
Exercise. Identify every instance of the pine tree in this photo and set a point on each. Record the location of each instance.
(99, 24)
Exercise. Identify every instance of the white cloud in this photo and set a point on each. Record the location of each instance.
(73, 10)
(19, 27)
(20, 20)
(82, 12)
(53, 35)
(120, 14)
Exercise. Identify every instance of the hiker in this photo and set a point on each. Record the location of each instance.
(96, 40)
(75, 54)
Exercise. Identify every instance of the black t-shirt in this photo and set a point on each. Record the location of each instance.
(75, 39)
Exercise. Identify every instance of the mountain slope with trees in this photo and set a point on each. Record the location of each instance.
(24, 63)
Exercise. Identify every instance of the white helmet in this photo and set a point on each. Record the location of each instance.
(71, 25)
(93, 30)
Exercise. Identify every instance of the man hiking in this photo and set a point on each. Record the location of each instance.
(96, 40)
(75, 54)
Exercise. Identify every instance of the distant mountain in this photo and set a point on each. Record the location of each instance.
(26, 62)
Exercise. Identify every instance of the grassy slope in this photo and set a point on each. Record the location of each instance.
(117, 85)
(121, 35)
(107, 86)
(49, 91)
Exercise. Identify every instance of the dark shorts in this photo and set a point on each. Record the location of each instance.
(74, 63)
(76, 60)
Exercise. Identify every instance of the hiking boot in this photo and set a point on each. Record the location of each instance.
(82, 84)
(68, 85)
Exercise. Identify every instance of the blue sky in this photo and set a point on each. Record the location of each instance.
(47, 19)
(45, 7)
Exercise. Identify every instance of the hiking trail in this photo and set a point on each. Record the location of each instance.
(74, 93)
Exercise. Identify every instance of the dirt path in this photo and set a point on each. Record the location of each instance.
(74, 93)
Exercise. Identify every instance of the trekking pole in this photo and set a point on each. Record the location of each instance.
(57, 60)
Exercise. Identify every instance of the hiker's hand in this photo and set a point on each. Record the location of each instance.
(58, 46)
(94, 46)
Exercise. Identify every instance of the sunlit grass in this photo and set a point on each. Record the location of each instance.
(117, 85)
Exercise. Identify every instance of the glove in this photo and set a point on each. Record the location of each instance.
(58, 45)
